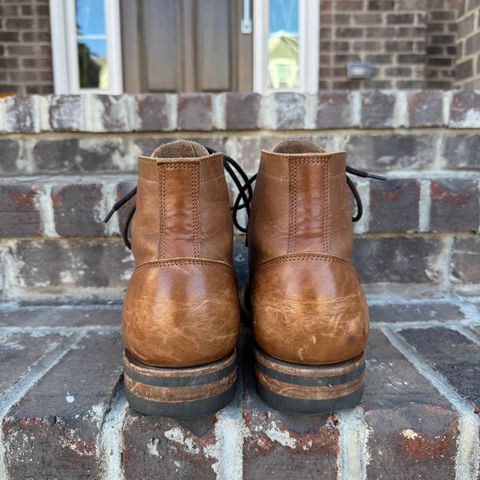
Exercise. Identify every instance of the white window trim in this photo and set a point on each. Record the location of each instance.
(309, 28)
(64, 48)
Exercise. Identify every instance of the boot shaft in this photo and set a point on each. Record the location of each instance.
(300, 205)
(182, 207)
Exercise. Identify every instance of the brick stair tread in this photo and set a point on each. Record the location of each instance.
(64, 413)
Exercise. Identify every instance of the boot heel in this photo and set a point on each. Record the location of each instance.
(180, 392)
(297, 388)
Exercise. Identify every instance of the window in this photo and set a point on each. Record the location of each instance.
(286, 36)
(86, 46)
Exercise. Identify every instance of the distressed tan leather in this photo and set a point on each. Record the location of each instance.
(307, 304)
(181, 306)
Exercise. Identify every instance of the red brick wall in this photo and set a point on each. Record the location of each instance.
(441, 43)
(25, 53)
(410, 43)
(389, 35)
(468, 45)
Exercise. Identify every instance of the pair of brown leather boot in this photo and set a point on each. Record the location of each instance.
(181, 313)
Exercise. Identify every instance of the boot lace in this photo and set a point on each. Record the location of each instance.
(241, 180)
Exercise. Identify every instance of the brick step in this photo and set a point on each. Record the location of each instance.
(100, 267)
(75, 206)
(377, 149)
(64, 413)
(239, 111)
(52, 238)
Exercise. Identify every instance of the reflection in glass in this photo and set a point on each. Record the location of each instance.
(92, 44)
(90, 17)
(92, 64)
(283, 53)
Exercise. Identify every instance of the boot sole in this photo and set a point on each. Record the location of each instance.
(180, 392)
(298, 388)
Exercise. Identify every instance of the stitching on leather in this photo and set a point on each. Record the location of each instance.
(175, 262)
(326, 205)
(162, 216)
(195, 216)
(313, 160)
(283, 156)
(292, 230)
(306, 257)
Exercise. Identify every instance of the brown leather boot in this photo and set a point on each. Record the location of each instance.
(310, 318)
(181, 316)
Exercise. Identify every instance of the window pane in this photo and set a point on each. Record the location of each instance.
(90, 17)
(283, 53)
(92, 64)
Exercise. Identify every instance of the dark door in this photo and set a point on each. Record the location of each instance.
(185, 45)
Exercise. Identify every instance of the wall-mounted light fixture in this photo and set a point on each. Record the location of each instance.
(359, 70)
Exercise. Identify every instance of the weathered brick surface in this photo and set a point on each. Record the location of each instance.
(454, 205)
(377, 110)
(443, 312)
(77, 210)
(71, 264)
(465, 260)
(57, 428)
(184, 448)
(19, 114)
(412, 427)
(394, 206)
(19, 215)
(241, 111)
(335, 110)
(63, 413)
(399, 151)
(397, 259)
(453, 355)
(80, 155)
(238, 111)
(65, 112)
(464, 109)
(9, 154)
(59, 315)
(194, 112)
(152, 112)
(344, 121)
(462, 151)
(425, 108)
(19, 351)
(77, 265)
(111, 113)
(288, 110)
